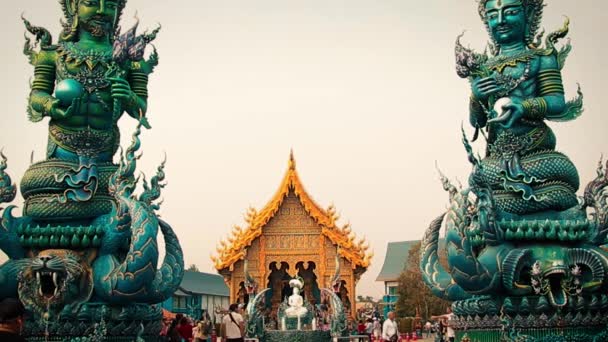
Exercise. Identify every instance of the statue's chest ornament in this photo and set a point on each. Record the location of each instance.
(509, 83)
(499, 63)
(506, 82)
(90, 68)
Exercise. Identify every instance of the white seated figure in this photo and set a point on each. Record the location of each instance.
(295, 301)
(296, 307)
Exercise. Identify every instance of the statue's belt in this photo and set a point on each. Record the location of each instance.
(85, 142)
(508, 143)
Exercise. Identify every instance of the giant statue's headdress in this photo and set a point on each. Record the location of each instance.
(534, 14)
(70, 24)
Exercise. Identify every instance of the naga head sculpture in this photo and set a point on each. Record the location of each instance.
(509, 21)
(8, 191)
(555, 272)
(98, 17)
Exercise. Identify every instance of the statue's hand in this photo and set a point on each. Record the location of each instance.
(121, 91)
(512, 111)
(56, 112)
(484, 87)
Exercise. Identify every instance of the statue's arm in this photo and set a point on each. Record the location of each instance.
(133, 91)
(550, 98)
(41, 102)
(548, 101)
(138, 80)
(481, 90)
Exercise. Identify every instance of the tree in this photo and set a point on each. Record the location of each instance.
(193, 267)
(367, 299)
(413, 292)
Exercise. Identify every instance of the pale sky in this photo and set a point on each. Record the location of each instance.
(365, 92)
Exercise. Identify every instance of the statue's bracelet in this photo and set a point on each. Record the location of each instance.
(535, 108)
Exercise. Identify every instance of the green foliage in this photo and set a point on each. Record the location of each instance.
(413, 292)
(193, 268)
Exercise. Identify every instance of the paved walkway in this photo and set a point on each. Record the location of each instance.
(430, 339)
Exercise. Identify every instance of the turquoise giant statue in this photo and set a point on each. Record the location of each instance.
(524, 252)
(85, 250)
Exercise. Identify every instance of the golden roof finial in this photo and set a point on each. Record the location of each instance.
(292, 161)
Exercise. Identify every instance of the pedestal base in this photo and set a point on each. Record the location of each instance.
(596, 334)
(99, 322)
(297, 336)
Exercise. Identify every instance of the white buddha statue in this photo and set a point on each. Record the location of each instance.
(295, 301)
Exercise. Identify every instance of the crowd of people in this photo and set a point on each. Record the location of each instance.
(184, 329)
(387, 329)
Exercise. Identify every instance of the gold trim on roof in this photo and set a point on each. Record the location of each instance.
(233, 249)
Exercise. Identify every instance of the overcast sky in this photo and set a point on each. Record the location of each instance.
(365, 93)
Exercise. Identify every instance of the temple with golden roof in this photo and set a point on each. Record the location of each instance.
(292, 236)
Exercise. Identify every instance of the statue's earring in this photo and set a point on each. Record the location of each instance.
(69, 35)
(73, 7)
(75, 24)
(73, 29)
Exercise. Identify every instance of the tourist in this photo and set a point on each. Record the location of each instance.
(361, 327)
(185, 329)
(441, 333)
(195, 332)
(178, 319)
(173, 333)
(377, 329)
(233, 325)
(165, 329)
(11, 320)
(427, 328)
(203, 329)
(451, 334)
(445, 323)
(369, 328)
(390, 330)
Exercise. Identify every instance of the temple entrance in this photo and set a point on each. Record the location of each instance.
(306, 270)
(278, 283)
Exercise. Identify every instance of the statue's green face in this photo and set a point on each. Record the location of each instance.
(507, 20)
(97, 16)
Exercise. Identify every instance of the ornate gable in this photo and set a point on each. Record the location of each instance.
(234, 248)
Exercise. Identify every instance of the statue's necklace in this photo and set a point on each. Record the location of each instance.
(499, 63)
(78, 56)
(509, 83)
